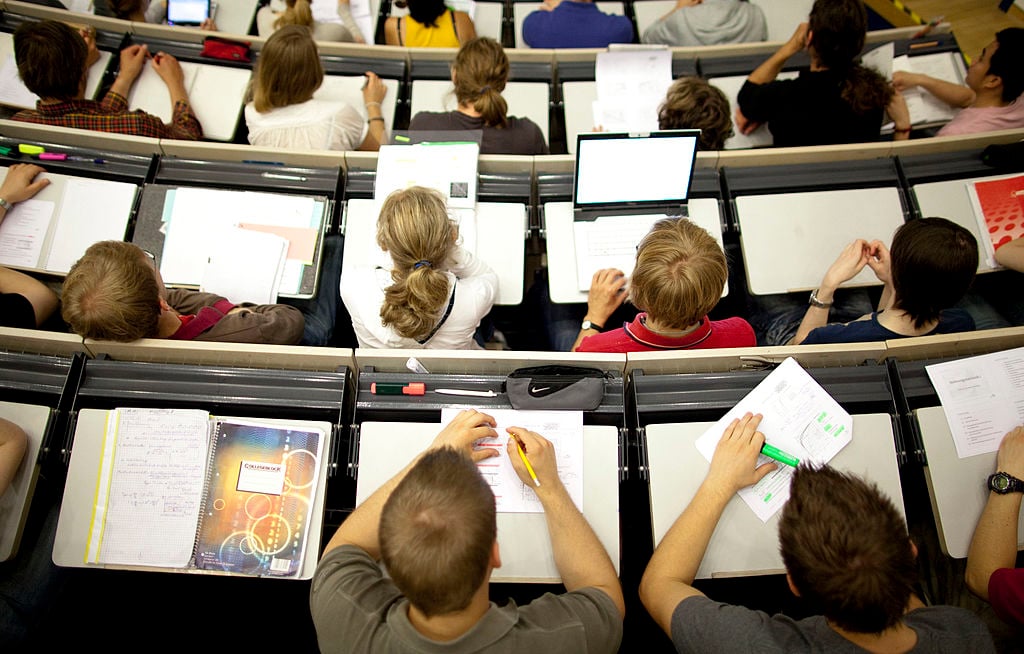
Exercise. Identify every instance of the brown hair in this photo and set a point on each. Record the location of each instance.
(480, 72)
(838, 29)
(437, 532)
(847, 550)
(680, 272)
(932, 262)
(111, 293)
(51, 58)
(288, 70)
(124, 9)
(691, 102)
(297, 12)
(414, 228)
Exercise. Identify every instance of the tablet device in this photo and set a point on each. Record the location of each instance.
(187, 12)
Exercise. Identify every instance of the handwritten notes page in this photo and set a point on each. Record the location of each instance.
(565, 431)
(982, 397)
(800, 418)
(150, 487)
(23, 233)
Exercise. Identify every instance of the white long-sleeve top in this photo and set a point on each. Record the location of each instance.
(363, 295)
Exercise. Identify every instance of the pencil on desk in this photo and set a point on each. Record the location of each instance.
(521, 448)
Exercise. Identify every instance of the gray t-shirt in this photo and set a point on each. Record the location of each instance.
(356, 608)
(703, 625)
(520, 136)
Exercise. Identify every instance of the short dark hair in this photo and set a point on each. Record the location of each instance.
(1006, 62)
(426, 11)
(51, 58)
(838, 29)
(847, 550)
(437, 532)
(933, 261)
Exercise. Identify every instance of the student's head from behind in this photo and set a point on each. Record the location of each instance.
(693, 103)
(424, 11)
(479, 73)
(438, 531)
(51, 58)
(128, 9)
(846, 550)
(1000, 62)
(297, 12)
(113, 293)
(415, 229)
(288, 70)
(933, 261)
(837, 29)
(679, 274)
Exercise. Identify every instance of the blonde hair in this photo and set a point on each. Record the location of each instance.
(679, 275)
(414, 228)
(288, 70)
(111, 293)
(480, 73)
(297, 12)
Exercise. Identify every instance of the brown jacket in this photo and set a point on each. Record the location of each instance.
(273, 324)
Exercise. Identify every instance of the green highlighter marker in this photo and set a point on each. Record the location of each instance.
(773, 452)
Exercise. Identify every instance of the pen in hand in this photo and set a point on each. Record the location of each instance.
(521, 448)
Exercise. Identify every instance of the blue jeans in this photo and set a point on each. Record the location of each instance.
(322, 310)
(776, 318)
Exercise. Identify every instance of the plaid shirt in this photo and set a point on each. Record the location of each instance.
(112, 115)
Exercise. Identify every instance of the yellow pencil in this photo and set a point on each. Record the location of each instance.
(522, 455)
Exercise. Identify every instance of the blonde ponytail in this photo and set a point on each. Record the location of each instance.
(298, 12)
(414, 228)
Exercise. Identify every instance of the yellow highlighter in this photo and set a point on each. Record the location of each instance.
(522, 455)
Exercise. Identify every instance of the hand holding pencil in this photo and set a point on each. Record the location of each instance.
(533, 458)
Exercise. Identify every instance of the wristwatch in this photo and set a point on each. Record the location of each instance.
(815, 302)
(7, 206)
(588, 324)
(1004, 483)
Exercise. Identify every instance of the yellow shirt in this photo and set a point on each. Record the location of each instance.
(418, 35)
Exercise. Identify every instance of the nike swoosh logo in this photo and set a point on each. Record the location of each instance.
(539, 389)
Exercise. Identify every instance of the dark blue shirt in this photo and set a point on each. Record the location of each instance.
(861, 331)
(575, 25)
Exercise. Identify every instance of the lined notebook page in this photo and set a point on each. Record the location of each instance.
(149, 487)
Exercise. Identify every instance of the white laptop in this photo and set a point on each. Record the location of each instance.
(624, 184)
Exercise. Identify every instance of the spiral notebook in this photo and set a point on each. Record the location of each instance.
(179, 488)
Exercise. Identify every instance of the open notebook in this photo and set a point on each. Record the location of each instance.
(624, 184)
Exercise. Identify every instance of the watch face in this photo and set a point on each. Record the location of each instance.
(1000, 482)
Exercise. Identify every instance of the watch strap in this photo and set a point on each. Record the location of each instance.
(7, 206)
(815, 302)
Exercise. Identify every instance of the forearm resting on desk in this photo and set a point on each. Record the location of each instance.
(13, 442)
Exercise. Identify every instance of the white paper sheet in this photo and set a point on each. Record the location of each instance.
(982, 397)
(246, 266)
(799, 418)
(630, 86)
(449, 168)
(91, 210)
(12, 90)
(23, 232)
(565, 431)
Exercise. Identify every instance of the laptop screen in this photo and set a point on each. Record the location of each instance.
(616, 169)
